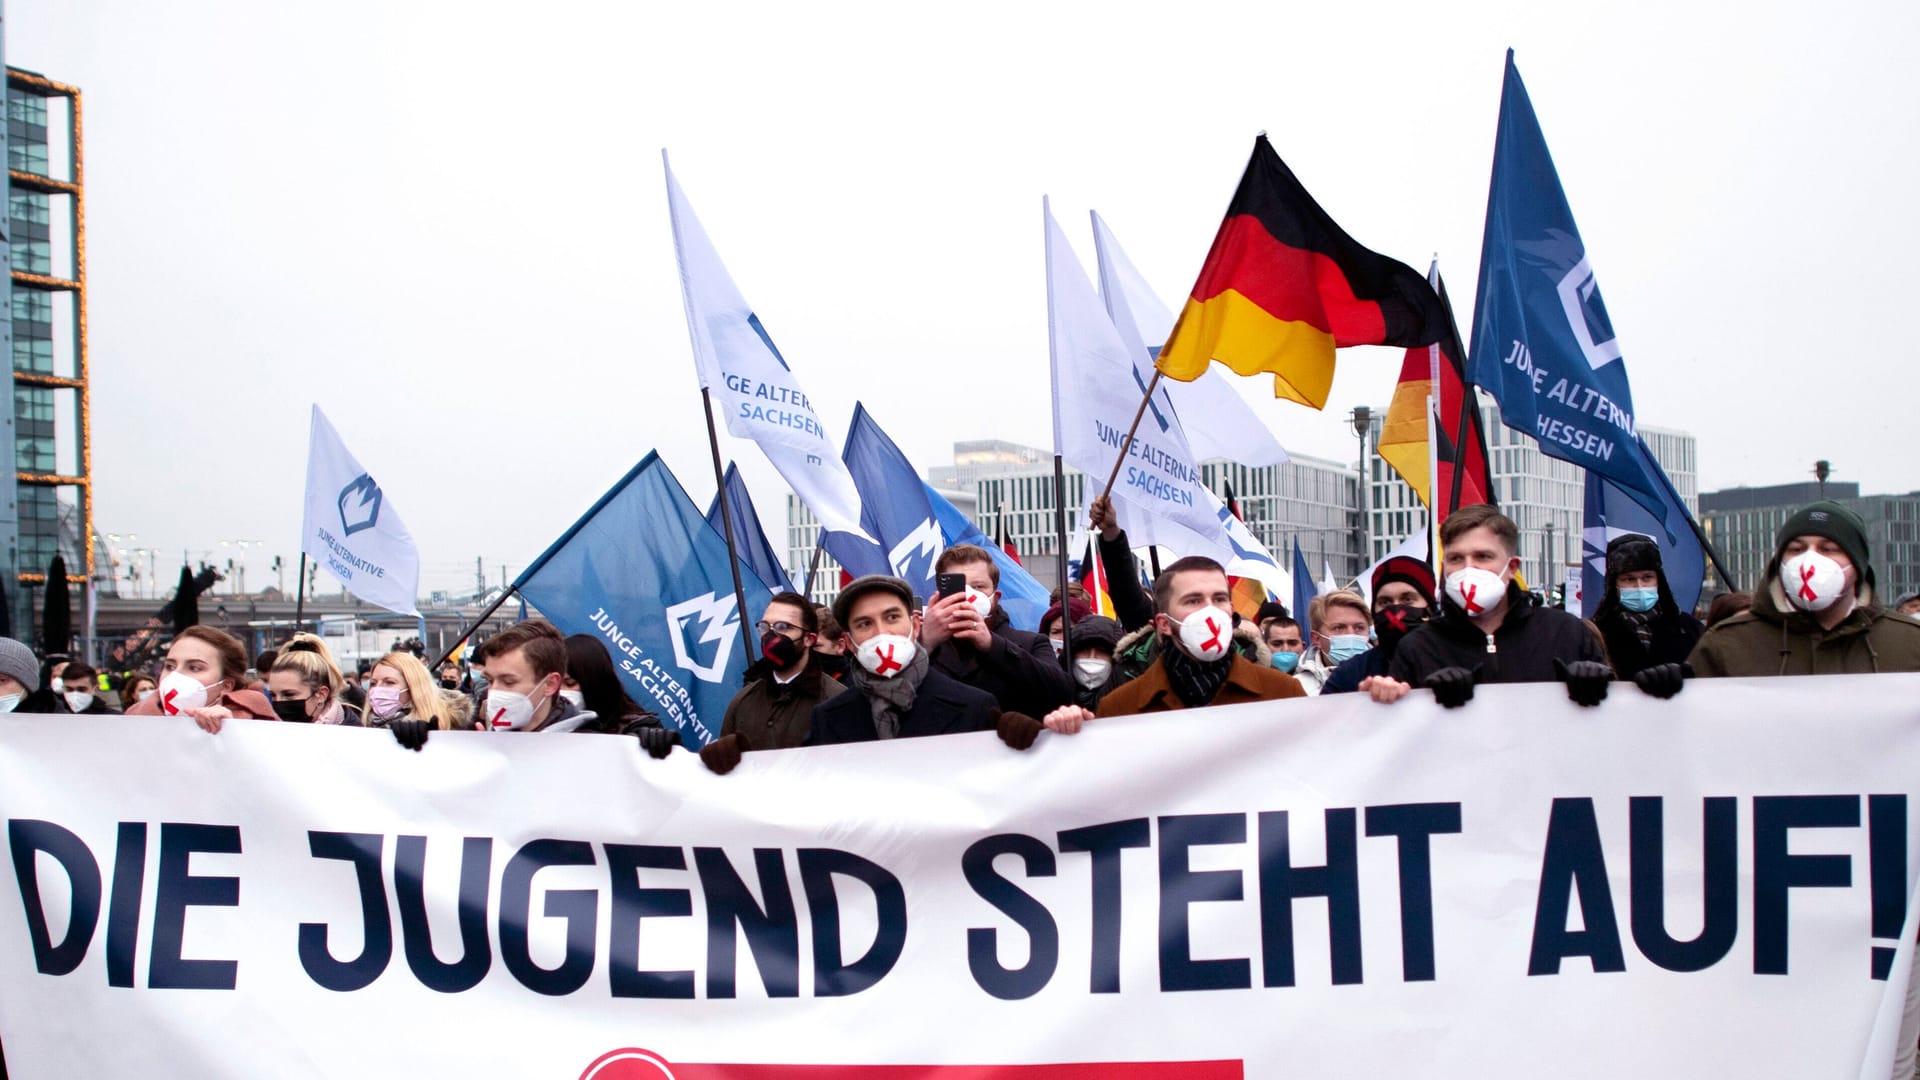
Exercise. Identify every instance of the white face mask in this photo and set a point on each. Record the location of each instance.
(1091, 672)
(886, 655)
(508, 711)
(180, 691)
(1477, 591)
(1059, 646)
(1207, 634)
(10, 702)
(579, 699)
(78, 700)
(1812, 581)
(144, 694)
(981, 602)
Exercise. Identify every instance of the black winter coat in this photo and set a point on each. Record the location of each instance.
(1530, 638)
(1672, 641)
(942, 707)
(1020, 670)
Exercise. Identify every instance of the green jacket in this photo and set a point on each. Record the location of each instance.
(1774, 639)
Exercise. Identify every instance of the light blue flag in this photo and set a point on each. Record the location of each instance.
(1022, 597)
(1613, 512)
(1542, 343)
(1303, 588)
(749, 539)
(644, 573)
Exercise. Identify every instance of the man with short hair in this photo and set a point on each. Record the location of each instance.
(525, 665)
(1813, 613)
(1490, 630)
(897, 692)
(1402, 599)
(1196, 664)
(1284, 640)
(80, 691)
(969, 637)
(774, 710)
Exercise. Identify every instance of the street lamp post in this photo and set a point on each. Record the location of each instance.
(1362, 424)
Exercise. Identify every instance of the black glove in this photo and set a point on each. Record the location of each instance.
(1452, 686)
(657, 741)
(411, 734)
(1662, 680)
(1018, 730)
(1586, 680)
(723, 753)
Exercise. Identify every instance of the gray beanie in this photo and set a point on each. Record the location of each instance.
(18, 661)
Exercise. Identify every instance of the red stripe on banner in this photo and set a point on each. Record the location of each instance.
(644, 1065)
(1288, 283)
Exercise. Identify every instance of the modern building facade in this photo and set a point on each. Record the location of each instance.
(1545, 497)
(1744, 524)
(51, 511)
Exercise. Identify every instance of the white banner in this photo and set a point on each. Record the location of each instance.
(348, 528)
(1706, 886)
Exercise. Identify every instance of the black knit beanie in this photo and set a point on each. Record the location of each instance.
(1836, 523)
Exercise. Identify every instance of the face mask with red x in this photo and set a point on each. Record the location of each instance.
(886, 655)
(1207, 634)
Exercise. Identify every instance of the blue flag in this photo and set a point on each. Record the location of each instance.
(1542, 343)
(642, 572)
(1612, 511)
(749, 539)
(1022, 597)
(893, 510)
(1303, 588)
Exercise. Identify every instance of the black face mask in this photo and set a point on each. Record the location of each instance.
(1394, 621)
(293, 712)
(835, 666)
(780, 650)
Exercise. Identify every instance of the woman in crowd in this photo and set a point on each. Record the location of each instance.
(306, 685)
(201, 678)
(593, 685)
(401, 697)
(135, 689)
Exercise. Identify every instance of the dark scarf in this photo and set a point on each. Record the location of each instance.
(1194, 682)
(891, 698)
(1641, 624)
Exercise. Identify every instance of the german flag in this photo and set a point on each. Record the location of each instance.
(1284, 286)
(1460, 446)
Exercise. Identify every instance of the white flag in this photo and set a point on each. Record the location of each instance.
(351, 530)
(1222, 424)
(1096, 391)
(749, 379)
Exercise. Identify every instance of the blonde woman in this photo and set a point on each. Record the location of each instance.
(401, 696)
(305, 684)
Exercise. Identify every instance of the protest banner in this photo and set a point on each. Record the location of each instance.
(1716, 885)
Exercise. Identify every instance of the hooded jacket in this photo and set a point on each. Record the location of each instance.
(771, 715)
(1773, 638)
(1529, 640)
(1019, 669)
(1672, 633)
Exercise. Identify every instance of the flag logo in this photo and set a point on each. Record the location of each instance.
(628, 1064)
(912, 558)
(709, 620)
(1587, 315)
(366, 513)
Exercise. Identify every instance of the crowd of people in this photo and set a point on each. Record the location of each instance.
(882, 664)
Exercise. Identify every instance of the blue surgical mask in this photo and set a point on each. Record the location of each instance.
(1344, 647)
(1639, 599)
(1286, 661)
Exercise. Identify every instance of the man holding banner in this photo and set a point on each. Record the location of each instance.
(774, 711)
(897, 692)
(1490, 629)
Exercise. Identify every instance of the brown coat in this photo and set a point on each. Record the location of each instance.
(244, 704)
(1246, 682)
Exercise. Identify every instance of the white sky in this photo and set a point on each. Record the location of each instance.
(446, 223)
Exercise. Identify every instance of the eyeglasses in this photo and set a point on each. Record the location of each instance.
(781, 628)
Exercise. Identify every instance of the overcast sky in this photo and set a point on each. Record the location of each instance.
(446, 223)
